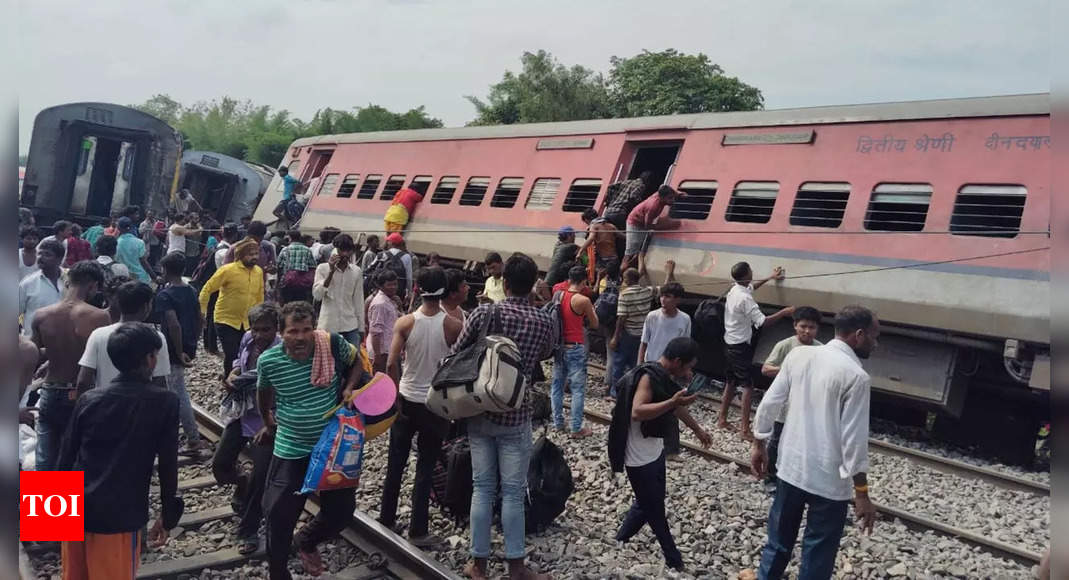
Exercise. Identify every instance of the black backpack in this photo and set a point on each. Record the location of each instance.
(605, 306)
(553, 310)
(451, 485)
(708, 321)
(549, 485)
(387, 260)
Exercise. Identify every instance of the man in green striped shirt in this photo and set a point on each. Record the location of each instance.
(293, 409)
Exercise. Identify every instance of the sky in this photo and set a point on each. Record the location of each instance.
(303, 55)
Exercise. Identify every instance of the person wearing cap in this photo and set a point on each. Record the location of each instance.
(401, 210)
(130, 251)
(564, 254)
(395, 244)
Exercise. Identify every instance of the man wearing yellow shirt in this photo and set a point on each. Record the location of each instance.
(240, 285)
(494, 290)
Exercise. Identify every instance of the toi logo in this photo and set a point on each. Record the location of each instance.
(51, 506)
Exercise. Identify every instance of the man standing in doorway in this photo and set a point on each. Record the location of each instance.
(339, 285)
(823, 457)
(289, 187)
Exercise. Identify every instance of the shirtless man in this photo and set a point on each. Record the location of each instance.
(62, 330)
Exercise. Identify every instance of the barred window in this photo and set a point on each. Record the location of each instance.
(820, 204)
(898, 207)
(752, 202)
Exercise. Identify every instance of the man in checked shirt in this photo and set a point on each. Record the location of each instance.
(501, 442)
(628, 194)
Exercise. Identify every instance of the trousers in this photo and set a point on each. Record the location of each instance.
(415, 420)
(825, 519)
(648, 482)
(249, 487)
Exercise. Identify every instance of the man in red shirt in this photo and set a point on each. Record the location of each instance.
(642, 220)
(402, 209)
(77, 248)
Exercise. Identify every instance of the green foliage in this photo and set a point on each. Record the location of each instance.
(545, 90)
(670, 82)
(649, 83)
(256, 133)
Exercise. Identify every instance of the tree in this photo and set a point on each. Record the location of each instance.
(545, 90)
(670, 82)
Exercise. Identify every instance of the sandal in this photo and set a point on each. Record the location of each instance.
(248, 546)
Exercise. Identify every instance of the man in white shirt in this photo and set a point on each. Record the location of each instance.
(824, 450)
(97, 370)
(178, 232)
(741, 316)
(662, 326)
(339, 285)
(61, 232)
(43, 287)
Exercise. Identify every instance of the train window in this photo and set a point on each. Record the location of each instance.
(371, 185)
(330, 182)
(348, 185)
(420, 183)
(988, 210)
(582, 195)
(393, 185)
(128, 163)
(699, 199)
(543, 193)
(752, 202)
(447, 186)
(475, 191)
(820, 204)
(507, 192)
(898, 207)
(293, 167)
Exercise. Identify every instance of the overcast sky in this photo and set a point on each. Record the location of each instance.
(303, 55)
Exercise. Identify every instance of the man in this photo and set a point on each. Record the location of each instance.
(195, 237)
(96, 367)
(642, 220)
(501, 442)
(824, 450)
(382, 315)
(456, 294)
(243, 423)
(178, 233)
(295, 413)
(61, 232)
(29, 358)
(423, 338)
(130, 251)
(660, 327)
(641, 420)
(570, 362)
(322, 249)
(564, 256)
(243, 226)
(185, 201)
(41, 288)
(63, 330)
(632, 306)
(129, 423)
(395, 245)
(177, 311)
(296, 270)
(241, 286)
(106, 247)
(29, 237)
(339, 285)
(494, 289)
(95, 231)
(230, 237)
(625, 195)
(373, 249)
(147, 231)
(605, 238)
(289, 185)
(77, 248)
(806, 325)
(401, 209)
(741, 316)
(257, 232)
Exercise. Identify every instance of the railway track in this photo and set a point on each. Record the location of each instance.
(938, 462)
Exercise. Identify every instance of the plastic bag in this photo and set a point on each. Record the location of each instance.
(338, 456)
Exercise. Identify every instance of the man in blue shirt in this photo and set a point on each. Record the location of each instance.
(131, 251)
(289, 185)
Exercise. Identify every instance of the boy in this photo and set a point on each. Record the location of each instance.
(494, 290)
(374, 246)
(177, 311)
(129, 422)
(662, 326)
(806, 325)
(631, 309)
(741, 316)
(641, 420)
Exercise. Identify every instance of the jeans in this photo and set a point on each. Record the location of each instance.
(249, 488)
(55, 408)
(414, 419)
(353, 336)
(283, 504)
(623, 358)
(498, 451)
(648, 483)
(230, 338)
(773, 450)
(176, 383)
(570, 364)
(823, 530)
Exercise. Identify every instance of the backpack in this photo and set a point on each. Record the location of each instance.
(549, 485)
(708, 321)
(605, 306)
(556, 330)
(485, 376)
(451, 484)
(387, 260)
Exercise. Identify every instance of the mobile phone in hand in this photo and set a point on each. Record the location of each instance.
(697, 384)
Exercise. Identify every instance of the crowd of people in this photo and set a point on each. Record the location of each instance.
(299, 324)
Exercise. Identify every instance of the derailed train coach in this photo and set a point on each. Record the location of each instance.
(226, 187)
(87, 160)
(933, 213)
